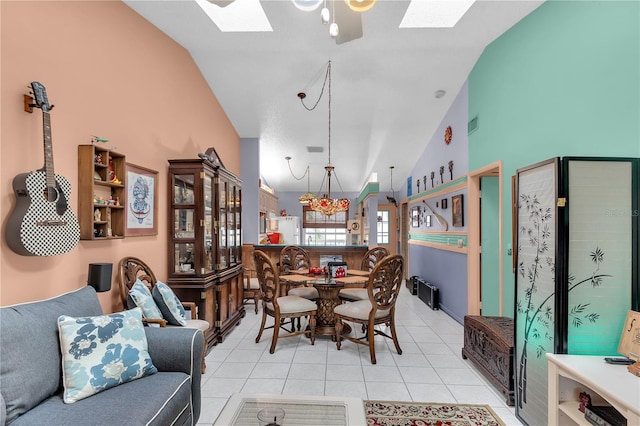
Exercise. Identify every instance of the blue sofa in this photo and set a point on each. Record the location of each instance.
(31, 373)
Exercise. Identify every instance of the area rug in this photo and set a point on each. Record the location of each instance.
(398, 413)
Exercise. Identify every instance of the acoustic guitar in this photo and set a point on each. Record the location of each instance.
(42, 223)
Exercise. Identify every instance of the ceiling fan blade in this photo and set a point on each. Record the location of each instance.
(349, 23)
(221, 3)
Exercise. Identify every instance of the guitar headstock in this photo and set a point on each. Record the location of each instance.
(40, 95)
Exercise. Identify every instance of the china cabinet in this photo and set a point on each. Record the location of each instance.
(205, 245)
(101, 193)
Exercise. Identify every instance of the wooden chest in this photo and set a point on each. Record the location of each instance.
(488, 343)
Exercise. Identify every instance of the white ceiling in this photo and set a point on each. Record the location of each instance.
(383, 106)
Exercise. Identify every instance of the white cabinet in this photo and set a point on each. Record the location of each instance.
(606, 384)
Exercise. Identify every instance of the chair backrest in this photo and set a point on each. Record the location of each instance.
(293, 258)
(267, 277)
(129, 270)
(372, 257)
(385, 281)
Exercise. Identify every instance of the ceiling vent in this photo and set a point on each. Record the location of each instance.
(315, 149)
(472, 126)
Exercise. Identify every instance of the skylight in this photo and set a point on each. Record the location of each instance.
(238, 16)
(435, 13)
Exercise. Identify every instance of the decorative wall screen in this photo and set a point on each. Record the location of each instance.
(577, 266)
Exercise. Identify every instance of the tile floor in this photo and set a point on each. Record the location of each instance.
(430, 368)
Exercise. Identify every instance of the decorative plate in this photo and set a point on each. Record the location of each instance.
(355, 226)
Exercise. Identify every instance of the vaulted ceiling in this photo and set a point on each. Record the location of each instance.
(384, 104)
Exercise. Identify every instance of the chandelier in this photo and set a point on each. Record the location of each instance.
(325, 204)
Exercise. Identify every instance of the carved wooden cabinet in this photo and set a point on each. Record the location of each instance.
(205, 253)
(488, 343)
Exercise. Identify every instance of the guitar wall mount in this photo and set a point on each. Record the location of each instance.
(29, 104)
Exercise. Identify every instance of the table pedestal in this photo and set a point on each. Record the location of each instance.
(328, 299)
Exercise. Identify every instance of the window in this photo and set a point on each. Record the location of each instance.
(383, 227)
(321, 230)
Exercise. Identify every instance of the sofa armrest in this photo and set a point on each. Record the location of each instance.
(179, 349)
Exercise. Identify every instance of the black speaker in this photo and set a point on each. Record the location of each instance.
(100, 276)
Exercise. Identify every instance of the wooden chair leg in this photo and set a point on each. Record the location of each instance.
(264, 320)
(274, 339)
(256, 298)
(338, 332)
(371, 338)
(392, 326)
(312, 328)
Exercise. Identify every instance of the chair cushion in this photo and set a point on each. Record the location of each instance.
(310, 293)
(292, 304)
(358, 310)
(142, 298)
(169, 304)
(254, 284)
(354, 294)
(101, 352)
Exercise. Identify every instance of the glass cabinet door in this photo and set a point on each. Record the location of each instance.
(184, 226)
(223, 228)
(208, 263)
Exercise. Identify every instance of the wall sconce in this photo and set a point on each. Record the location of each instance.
(99, 276)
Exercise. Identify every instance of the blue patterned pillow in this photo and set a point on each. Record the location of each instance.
(169, 304)
(101, 352)
(143, 299)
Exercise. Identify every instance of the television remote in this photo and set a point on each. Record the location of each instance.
(619, 361)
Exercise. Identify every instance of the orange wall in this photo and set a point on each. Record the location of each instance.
(109, 73)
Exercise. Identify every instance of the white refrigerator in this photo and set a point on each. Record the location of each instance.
(288, 227)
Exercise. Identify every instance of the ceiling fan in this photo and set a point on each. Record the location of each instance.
(346, 15)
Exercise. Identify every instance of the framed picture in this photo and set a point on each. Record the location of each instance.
(141, 202)
(457, 211)
(427, 220)
(415, 216)
(443, 203)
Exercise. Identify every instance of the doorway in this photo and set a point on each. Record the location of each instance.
(387, 227)
(485, 226)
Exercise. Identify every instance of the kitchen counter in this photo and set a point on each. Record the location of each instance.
(352, 255)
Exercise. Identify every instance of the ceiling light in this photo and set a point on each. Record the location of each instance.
(360, 5)
(239, 16)
(435, 13)
(439, 93)
(324, 13)
(325, 204)
(333, 30)
(307, 5)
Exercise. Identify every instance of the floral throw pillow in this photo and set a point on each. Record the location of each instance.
(169, 304)
(143, 299)
(101, 352)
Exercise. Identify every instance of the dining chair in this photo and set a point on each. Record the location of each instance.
(294, 258)
(251, 290)
(369, 261)
(131, 269)
(280, 307)
(383, 287)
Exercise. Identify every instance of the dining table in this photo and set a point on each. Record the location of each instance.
(328, 295)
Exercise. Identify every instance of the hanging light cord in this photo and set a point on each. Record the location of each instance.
(291, 170)
(302, 95)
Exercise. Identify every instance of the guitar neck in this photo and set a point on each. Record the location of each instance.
(48, 150)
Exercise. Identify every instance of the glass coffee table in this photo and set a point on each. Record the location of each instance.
(242, 410)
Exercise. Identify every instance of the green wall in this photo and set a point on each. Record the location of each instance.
(563, 81)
